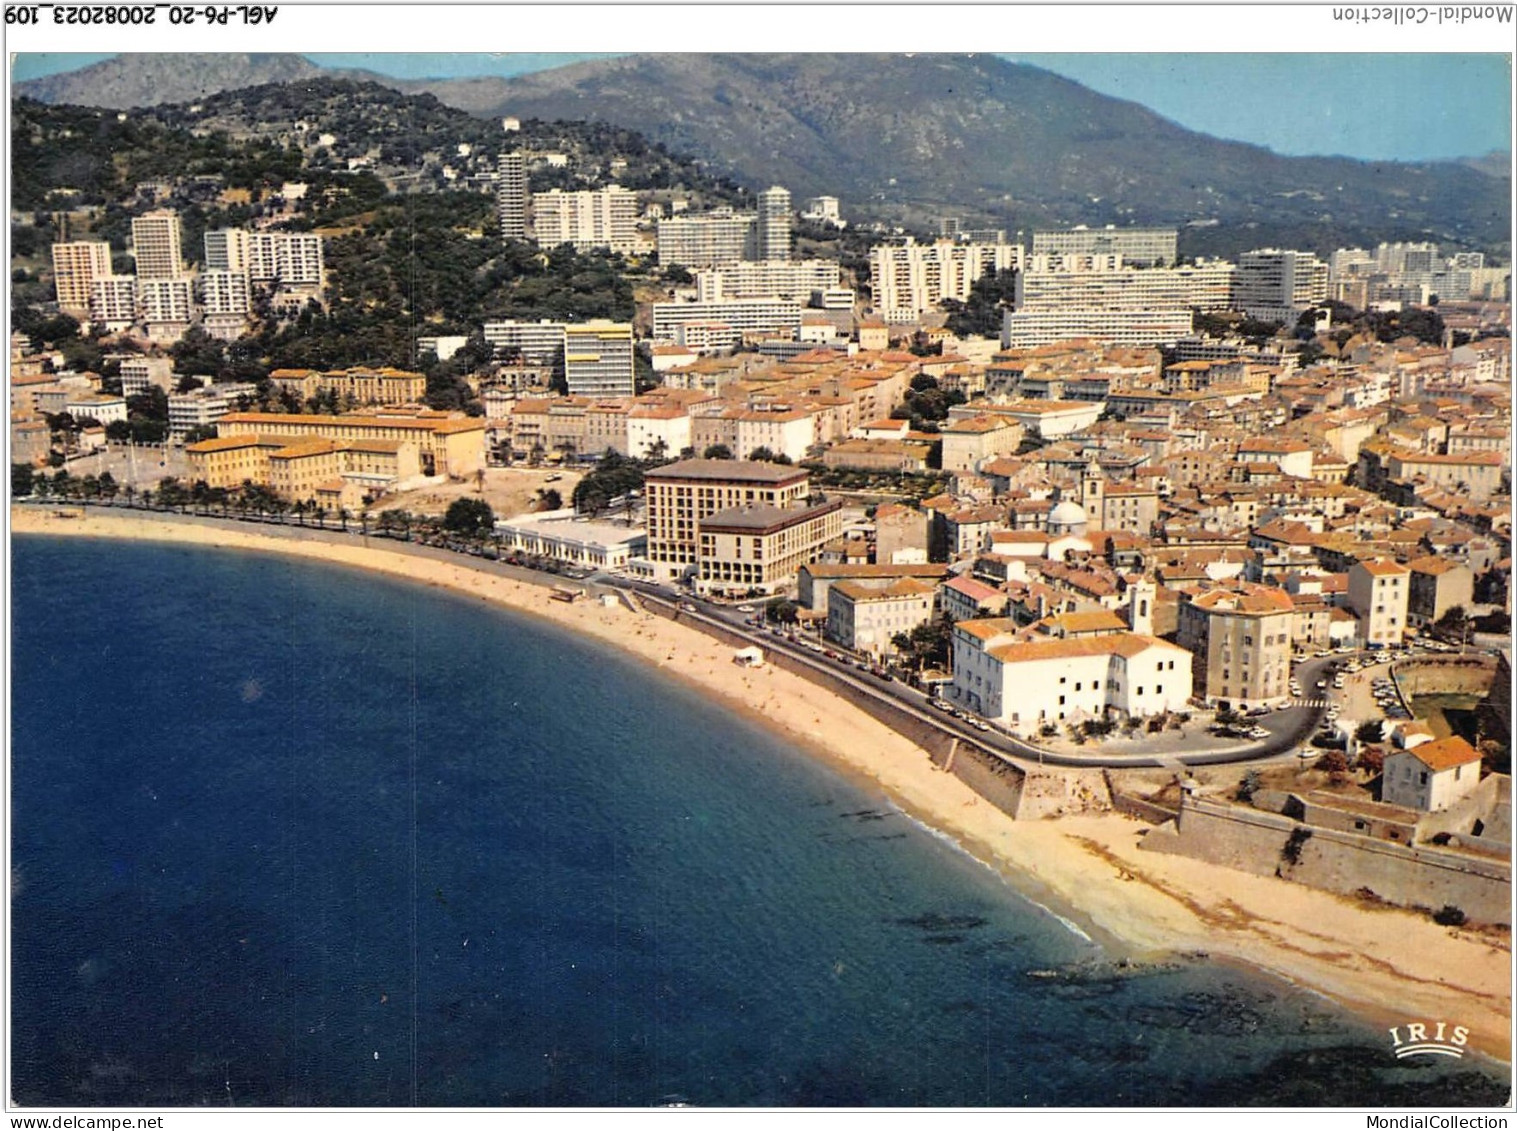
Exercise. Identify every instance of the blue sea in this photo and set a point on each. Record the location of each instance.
(290, 834)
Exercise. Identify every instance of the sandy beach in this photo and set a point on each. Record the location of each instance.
(1393, 965)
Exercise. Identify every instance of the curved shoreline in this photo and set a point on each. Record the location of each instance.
(1389, 965)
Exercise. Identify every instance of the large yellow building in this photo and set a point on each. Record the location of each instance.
(445, 444)
(365, 386)
(349, 474)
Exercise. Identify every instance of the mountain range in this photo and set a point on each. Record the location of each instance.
(908, 138)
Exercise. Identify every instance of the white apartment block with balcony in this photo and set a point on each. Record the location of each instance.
(113, 302)
(598, 359)
(76, 266)
(294, 262)
(589, 219)
(1109, 282)
(772, 225)
(1139, 247)
(1021, 329)
(1277, 285)
(226, 299)
(200, 408)
(910, 278)
(166, 300)
(138, 373)
(538, 343)
(718, 237)
(1100, 296)
(1378, 594)
(511, 195)
(768, 279)
(156, 246)
(762, 317)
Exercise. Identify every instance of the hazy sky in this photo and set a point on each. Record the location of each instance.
(1378, 106)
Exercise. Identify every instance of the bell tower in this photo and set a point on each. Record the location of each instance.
(1093, 493)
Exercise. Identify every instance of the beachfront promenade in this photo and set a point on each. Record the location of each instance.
(899, 705)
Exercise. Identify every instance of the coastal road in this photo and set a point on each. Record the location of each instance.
(1289, 727)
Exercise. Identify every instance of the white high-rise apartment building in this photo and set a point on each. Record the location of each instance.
(793, 280)
(155, 244)
(716, 238)
(511, 195)
(226, 249)
(773, 228)
(539, 343)
(293, 260)
(1107, 282)
(224, 292)
(600, 218)
(760, 316)
(1276, 285)
(166, 300)
(1138, 247)
(910, 278)
(1406, 258)
(598, 359)
(76, 266)
(1021, 329)
(113, 302)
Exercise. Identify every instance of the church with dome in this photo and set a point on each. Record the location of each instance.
(1069, 519)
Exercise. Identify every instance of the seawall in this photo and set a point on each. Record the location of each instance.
(1346, 863)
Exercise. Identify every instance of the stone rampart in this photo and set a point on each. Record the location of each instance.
(1274, 845)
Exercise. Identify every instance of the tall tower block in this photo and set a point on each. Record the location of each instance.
(511, 195)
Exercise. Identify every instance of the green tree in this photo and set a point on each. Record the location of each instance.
(22, 480)
(614, 477)
(717, 451)
(472, 518)
(1370, 730)
(1453, 624)
(782, 611)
